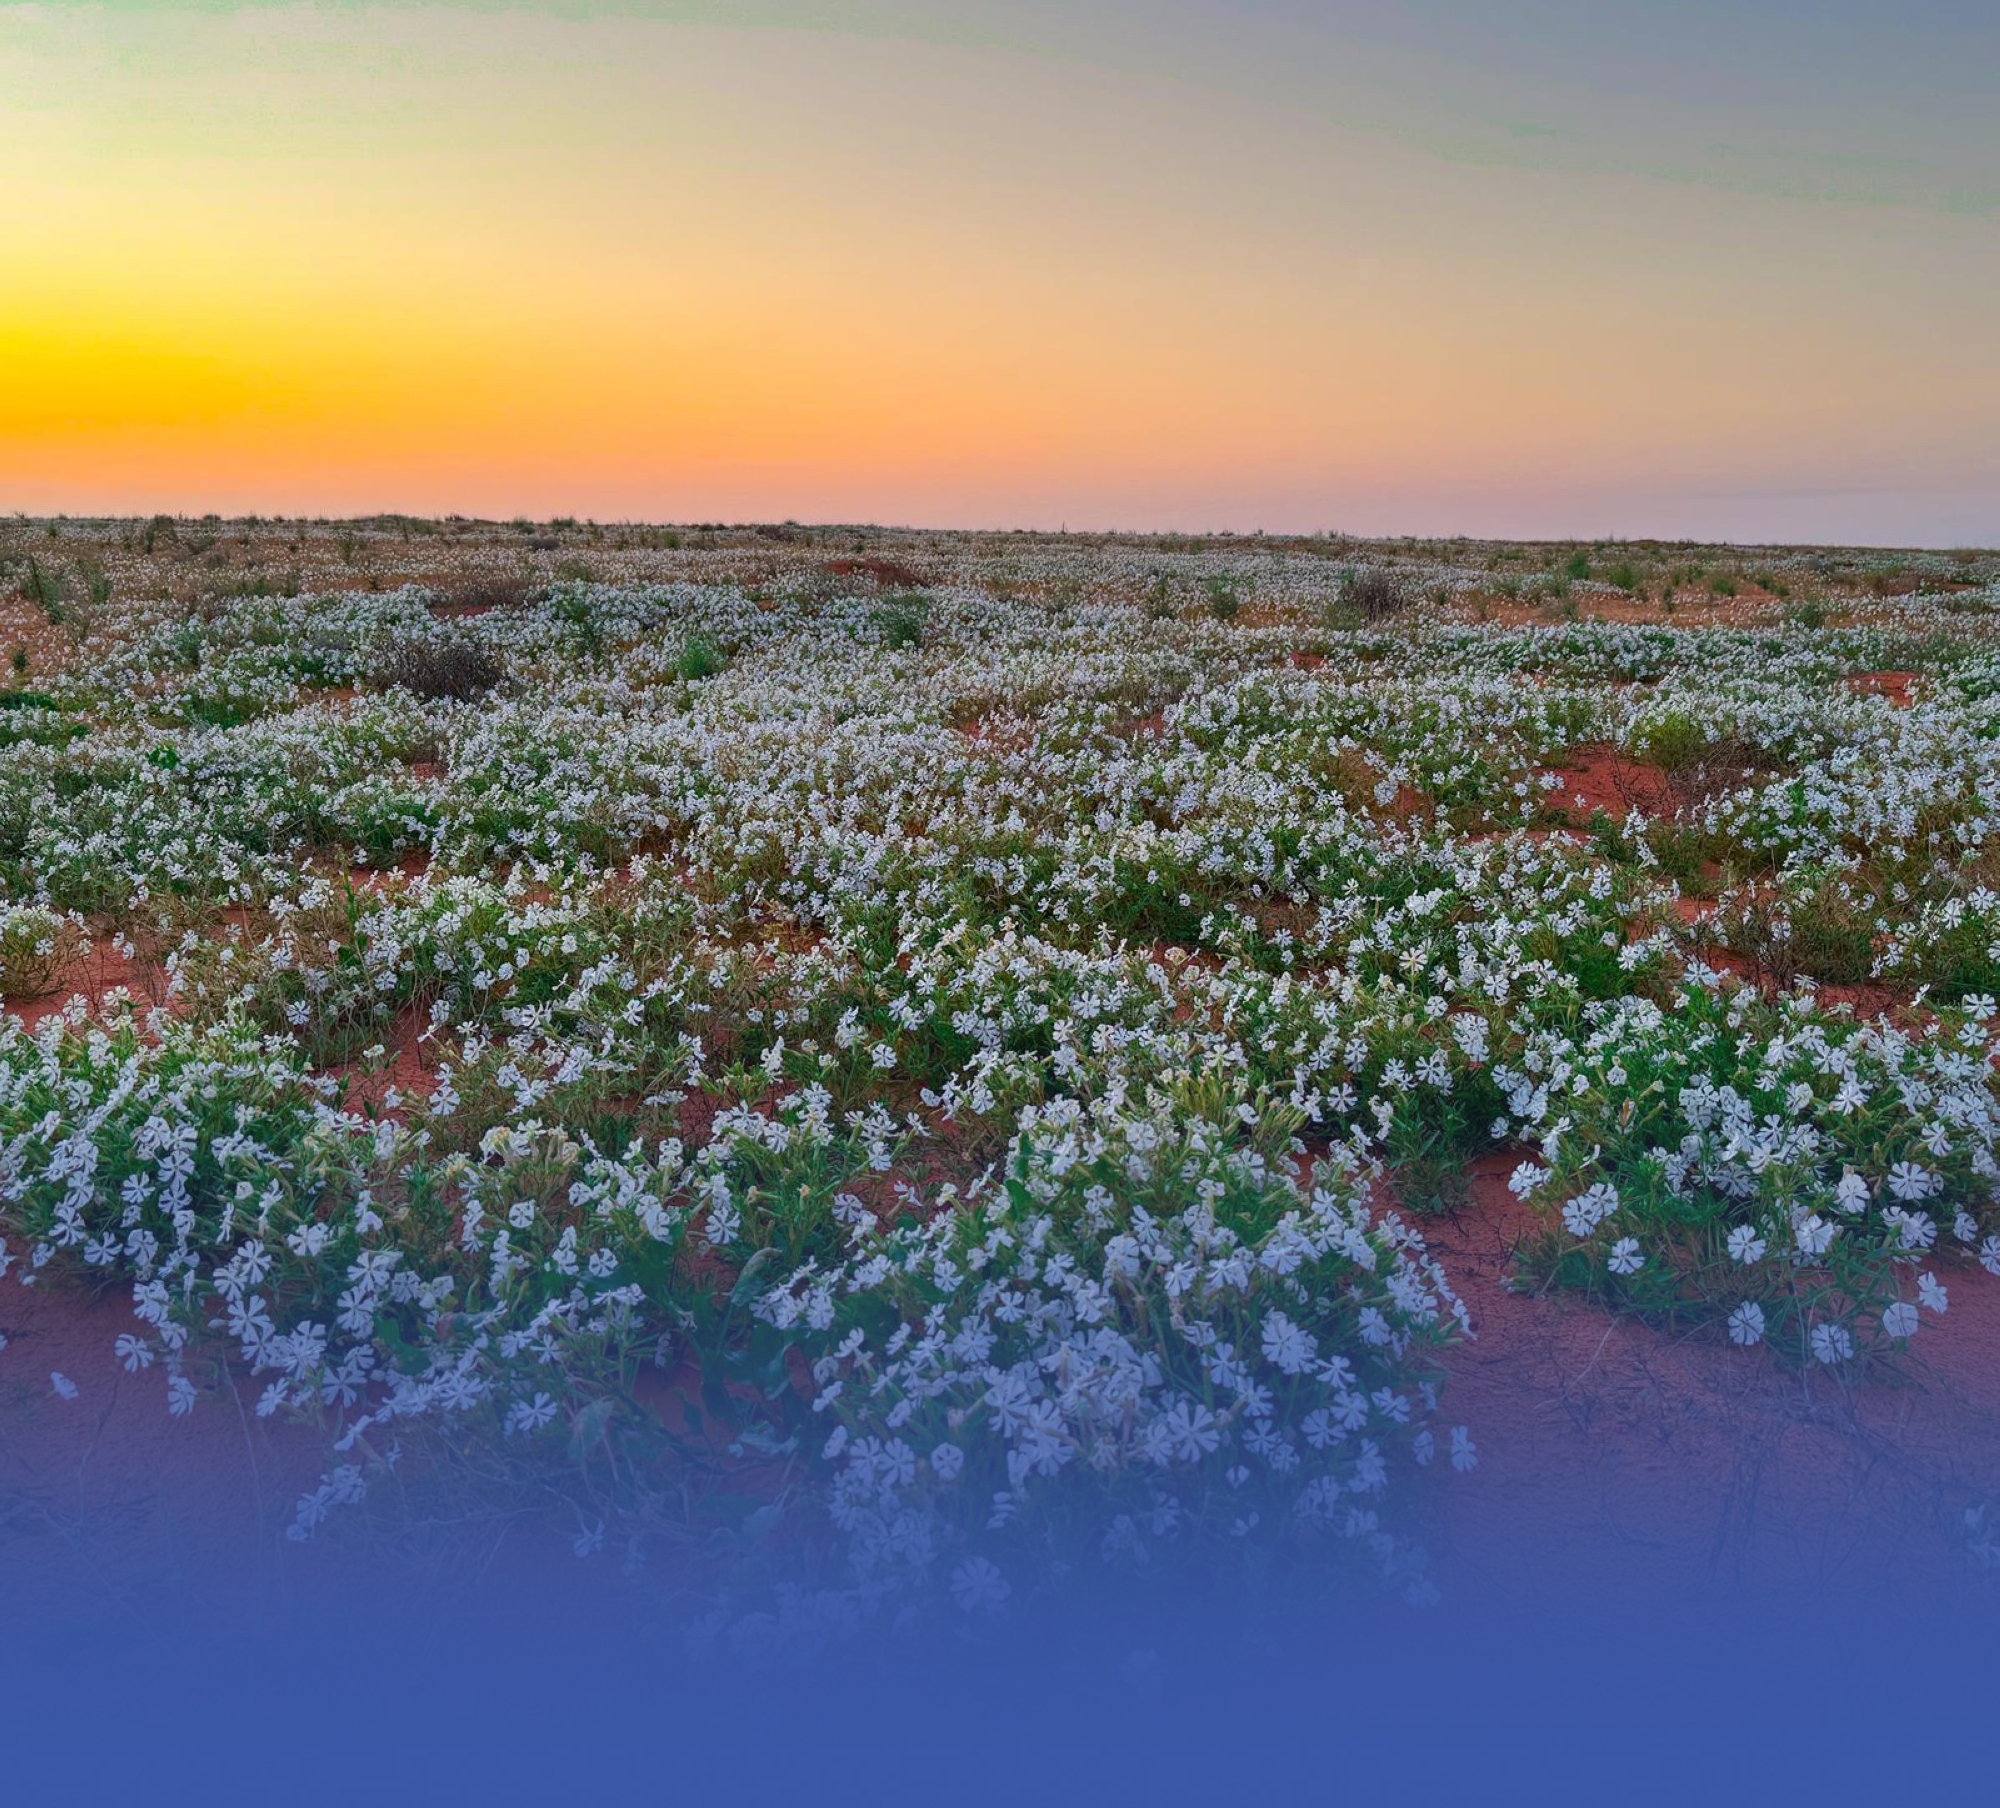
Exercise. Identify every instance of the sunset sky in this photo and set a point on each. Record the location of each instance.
(1491, 266)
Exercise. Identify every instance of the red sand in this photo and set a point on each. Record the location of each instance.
(1600, 777)
(885, 572)
(1896, 686)
(410, 865)
(406, 1067)
(1616, 1457)
(109, 1494)
(997, 733)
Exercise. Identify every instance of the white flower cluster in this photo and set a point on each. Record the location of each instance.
(1139, 1299)
(1819, 1163)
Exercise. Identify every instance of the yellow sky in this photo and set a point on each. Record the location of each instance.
(305, 260)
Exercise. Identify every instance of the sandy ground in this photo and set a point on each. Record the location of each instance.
(1618, 1458)
(1615, 1459)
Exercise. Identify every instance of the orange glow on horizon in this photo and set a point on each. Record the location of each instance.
(587, 279)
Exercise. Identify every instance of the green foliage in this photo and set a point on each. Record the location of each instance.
(1672, 741)
(900, 619)
(701, 656)
(43, 586)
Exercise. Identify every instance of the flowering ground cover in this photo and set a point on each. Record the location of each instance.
(881, 1071)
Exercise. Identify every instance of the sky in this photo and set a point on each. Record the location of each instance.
(1528, 267)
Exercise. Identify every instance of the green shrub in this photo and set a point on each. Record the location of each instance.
(1672, 741)
(900, 620)
(1818, 931)
(700, 657)
(44, 588)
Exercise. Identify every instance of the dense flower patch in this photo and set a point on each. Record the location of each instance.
(960, 1071)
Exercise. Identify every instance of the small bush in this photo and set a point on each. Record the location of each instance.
(259, 584)
(1821, 935)
(900, 622)
(1376, 591)
(96, 581)
(1671, 742)
(1808, 613)
(1950, 945)
(1224, 603)
(35, 946)
(1831, 939)
(44, 589)
(437, 670)
(700, 657)
(571, 605)
(1433, 1186)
